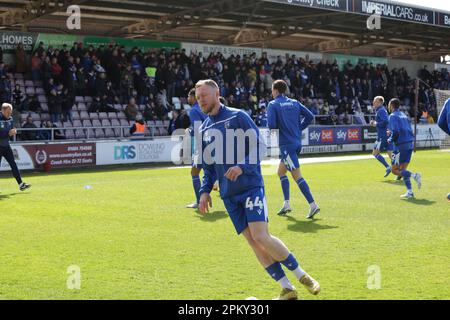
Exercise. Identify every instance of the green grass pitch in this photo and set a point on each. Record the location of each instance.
(132, 238)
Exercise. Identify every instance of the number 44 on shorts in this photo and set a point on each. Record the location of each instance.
(250, 205)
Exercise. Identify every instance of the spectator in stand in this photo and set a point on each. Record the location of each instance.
(36, 64)
(55, 105)
(29, 134)
(17, 96)
(55, 69)
(20, 59)
(149, 111)
(100, 104)
(30, 103)
(5, 89)
(139, 83)
(68, 100)
(137, 130)
(131, 110)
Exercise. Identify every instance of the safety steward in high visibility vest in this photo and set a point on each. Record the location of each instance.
(138, 128)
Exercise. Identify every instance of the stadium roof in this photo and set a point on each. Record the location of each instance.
(337, 26)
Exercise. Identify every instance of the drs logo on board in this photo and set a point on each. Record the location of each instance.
(124, 152)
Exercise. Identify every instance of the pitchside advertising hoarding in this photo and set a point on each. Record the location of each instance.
(334, 135)
(47, 156)
(127, 152)
(315, 139)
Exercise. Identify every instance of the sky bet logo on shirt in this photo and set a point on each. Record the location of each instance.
(124, 152)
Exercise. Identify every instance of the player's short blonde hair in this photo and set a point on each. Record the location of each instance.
(208, 82)
(379, 98)
(7, 105)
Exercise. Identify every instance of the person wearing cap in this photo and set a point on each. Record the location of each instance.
(7, 130)
(137, 131)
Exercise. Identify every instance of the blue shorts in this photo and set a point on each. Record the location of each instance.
(401, 156)
(289, 156)
(383, 145)
(248, 207)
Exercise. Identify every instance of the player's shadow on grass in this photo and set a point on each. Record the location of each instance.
(212, 216)
(394, 182)
(307, 226)
(422, 202)
(7, 196)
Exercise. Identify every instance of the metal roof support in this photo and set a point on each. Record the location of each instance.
(33, 10)
(187, 17)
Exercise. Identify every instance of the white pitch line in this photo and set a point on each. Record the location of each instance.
(306, 160)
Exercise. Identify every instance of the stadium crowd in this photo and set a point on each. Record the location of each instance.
(111, 75)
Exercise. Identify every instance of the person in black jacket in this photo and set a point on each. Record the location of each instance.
(7, 130)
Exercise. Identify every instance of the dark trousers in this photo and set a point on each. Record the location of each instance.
(7, 153)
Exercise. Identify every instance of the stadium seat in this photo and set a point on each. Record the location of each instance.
(67, 124)
(75, 115)
(45, 116)
(70, 134)
(103, 115)
(82, 106)
(80, 134)
(79, 99)
(117, 132)
(109, 133)
(115, 123)
(124, 123)
(96, 123)
(88, 99)
(121, 115)
(37, 123)
(99, 133)
(84, 115)
(163, 131)
(42, 98)
(77, 123)
(29, 83)
(93, 116)
(112, 115)
(39, 91)
(105, 123)
(35, 116)
(90, 134)
(87, 123)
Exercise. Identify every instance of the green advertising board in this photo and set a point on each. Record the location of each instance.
(57, 40)
(354, 60)
(30, 41)
(130, 43)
